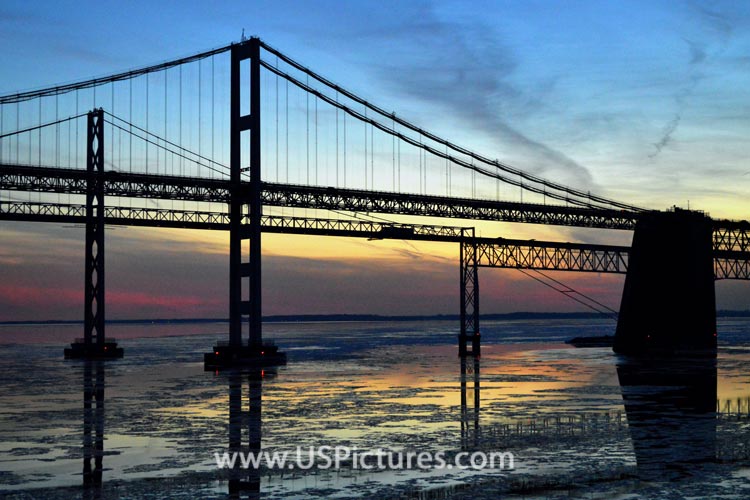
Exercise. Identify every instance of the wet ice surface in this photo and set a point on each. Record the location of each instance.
(394, 386)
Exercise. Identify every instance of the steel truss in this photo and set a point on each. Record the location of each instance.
(61, 180)
(552, 256)
(505, 253)
(732, 265)
(469, 277)
(732, 236)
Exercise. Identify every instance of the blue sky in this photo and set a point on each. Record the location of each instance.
(643, 101)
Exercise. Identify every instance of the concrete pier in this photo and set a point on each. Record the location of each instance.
(669, 303)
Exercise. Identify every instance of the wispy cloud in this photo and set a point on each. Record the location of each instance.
(715, 28)
(466, 73)
(460, 69)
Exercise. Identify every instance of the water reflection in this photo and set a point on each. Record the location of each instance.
(245, 483)
(93, 426)
(470, 401)
(670, 406)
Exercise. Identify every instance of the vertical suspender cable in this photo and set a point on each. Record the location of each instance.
(57, 134)
(78, 163)
(307, 133)
(393, 155)
(166, 112)
(286, 122)
(277, 122)
(180, 119)
(200, 122)
(365, 129)
(337, 140)
(130, 122)
(147, 108)
(39, 135)
(213, 105)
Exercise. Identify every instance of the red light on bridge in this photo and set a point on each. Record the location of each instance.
(262, 353)
(217, 353)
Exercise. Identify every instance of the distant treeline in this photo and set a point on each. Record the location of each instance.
(308, 318)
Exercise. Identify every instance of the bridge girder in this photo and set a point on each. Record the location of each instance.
(552, 256)
(500, 252)
(72, 181)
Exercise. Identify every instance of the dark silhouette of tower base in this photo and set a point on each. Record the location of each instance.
(669, 303)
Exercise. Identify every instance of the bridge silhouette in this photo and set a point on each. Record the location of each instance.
(170, 146)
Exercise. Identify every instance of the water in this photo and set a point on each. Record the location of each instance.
(579, 422)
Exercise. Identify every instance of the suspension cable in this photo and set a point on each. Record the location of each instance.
(43, 125)
(502, 166)
(95, 82)
(569, 293)
(435, 152)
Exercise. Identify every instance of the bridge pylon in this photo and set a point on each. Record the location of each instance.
(669, 302)
(469, 275)
(94, 345)
(245, 281)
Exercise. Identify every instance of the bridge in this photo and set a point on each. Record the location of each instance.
(183, 144)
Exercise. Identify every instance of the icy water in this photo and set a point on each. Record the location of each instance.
(580, 423)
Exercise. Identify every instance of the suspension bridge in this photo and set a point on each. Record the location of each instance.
(244, 139)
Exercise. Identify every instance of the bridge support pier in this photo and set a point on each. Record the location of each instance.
(93, 345)
(244, 277)
(469, 335)
(668, 303)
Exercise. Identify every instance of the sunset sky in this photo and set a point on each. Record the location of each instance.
(646, 102)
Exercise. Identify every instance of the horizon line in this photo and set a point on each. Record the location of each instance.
(358, 317)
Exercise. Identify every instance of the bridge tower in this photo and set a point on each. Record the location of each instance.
(245, 278)
(94, 344)
(469, 271)
(668, 303)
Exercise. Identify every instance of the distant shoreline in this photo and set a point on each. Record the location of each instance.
(310, 318)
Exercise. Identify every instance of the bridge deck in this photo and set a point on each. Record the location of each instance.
(73, 181)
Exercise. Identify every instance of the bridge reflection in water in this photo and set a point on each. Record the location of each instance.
(93, 426)
(245, 415)
(671, 411)
(671, 416)
(677, 426)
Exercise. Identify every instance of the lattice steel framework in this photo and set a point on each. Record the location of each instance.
(60, 180)
(469, 300)
(193, 219)
(93, 329)
(492, 252)
(482, 252)
(552, 256)
(73, 181)
(732, 265)
(283, 195)
(732, 235)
